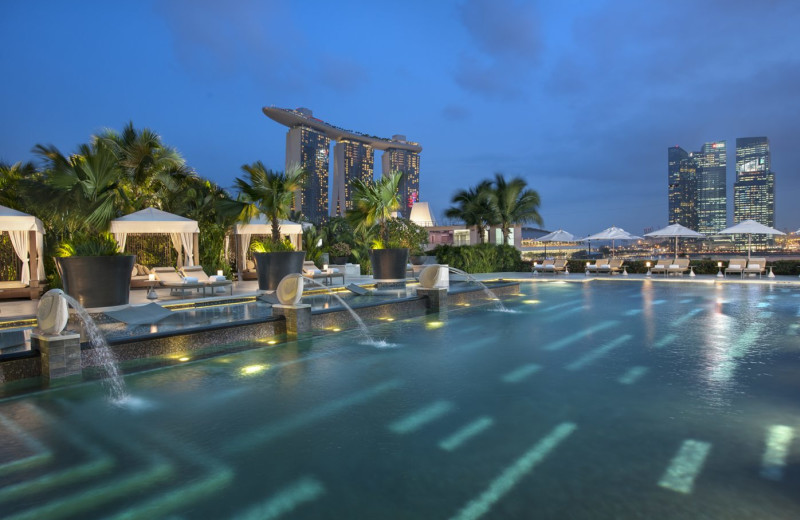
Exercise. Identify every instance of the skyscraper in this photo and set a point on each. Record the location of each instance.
(712, 213)
(754, 188)
(351, 160)
(310, 150)
(308, 144)
(682, 182)
(396, 159)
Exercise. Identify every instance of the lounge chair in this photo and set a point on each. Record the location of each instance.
(196, 271)
(250, 272)
(558, 266)
(542, 266)
(755, 266)
(613, 266)
(660, 267)
(140, 277)
(310, 271)
(592, 268)
(169, 277)
(736, 265)
(678, 266)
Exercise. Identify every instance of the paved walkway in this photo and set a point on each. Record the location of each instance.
(12, 309)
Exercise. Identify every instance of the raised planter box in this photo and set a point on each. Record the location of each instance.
(97, 281)
(272, 267)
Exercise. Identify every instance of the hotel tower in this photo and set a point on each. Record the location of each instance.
(308, 145)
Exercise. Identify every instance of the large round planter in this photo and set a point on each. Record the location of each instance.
(97, 281)
(389, 264)
(272, 267)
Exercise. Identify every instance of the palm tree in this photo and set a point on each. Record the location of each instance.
(514, 204)
(374, 203)
(269, 192)
(12, 183)
(150, 166)
(474, 207)
(84, 190)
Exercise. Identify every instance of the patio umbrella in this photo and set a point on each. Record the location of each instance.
(750, 227)
(613, 233)
(677, 231)
(556, 236)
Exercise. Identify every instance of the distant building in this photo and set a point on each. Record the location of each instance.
(682, 185)
(407, 162)
(754, 188)
(308, 144)
(310, 149)
(351, 160)
(712, 210)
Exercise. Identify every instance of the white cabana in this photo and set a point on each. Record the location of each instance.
(26, 232)
(184, 232)
(260, 225)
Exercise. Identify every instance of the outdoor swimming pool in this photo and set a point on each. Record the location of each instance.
(594, 400)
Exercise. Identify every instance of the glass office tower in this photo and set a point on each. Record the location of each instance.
(310, 149)
(712, 211)
(754, 189)
(351, 160)
(682, 182)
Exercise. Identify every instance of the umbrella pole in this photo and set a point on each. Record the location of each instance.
(676, 247)
(748, 246)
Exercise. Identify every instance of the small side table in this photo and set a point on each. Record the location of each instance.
(151, 291)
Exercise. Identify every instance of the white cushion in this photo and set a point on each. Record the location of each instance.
(734, 266)
(674, 266)
(190, 279)
(334, 270)
(605, 266)
(754, 266)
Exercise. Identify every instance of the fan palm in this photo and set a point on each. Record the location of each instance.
(474, 207)
(12, 179)
(514, 204)
(269, 192)
(374, 203)
(84, 189)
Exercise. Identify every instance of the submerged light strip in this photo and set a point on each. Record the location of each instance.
(632, 375)
(457, 439)
(595, 354)
(421, 417)
(506, 481)
(685, 466)
(519, 374)
(572, 338)
(779, 438)
(286, 500)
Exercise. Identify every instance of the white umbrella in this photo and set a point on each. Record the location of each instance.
(750, 227)
(556, 236)
(613, 233)
(677, 231)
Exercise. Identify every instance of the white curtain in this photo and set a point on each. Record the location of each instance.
(188, 245)
(244, 245)
(226, 246)
(40, 258)
(176, 245)
(19, 239)
(121, 238)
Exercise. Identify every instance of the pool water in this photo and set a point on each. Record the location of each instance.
(592, 400)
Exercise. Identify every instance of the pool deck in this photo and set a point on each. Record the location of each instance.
(23, 308)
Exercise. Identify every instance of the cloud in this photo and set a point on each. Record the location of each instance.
(455, 113)
(507, 45)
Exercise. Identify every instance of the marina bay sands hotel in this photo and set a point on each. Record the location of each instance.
(308, 144)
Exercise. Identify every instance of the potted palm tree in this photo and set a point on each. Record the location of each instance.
(85, 191)
(373, 205)
(94, 272)
(271, 193)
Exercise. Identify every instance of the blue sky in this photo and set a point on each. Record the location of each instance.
(580, 98)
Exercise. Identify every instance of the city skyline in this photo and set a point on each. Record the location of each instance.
(578, 99)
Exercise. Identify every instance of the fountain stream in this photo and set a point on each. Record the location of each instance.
(492, 296)
(108, 363)
(368, 339)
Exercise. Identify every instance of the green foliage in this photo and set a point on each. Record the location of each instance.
(257, 246)
(311, 237)
(89, 245)
(404, 233)
(374, 203)
(212, 249)
(481, 258)
(339, 249)
(512, 203)
(474, 207)
(269, 192)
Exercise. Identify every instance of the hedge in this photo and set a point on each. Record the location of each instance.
(481, 258)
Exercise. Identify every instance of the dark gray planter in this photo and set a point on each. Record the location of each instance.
(97, 281)
(389, 264)
(272, 267)
(339, 260)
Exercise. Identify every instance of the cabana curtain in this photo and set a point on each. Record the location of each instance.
(19, 239)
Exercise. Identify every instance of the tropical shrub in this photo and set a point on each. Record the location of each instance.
(404, 233)
(339, 249)
(257, 246)
(89, 245)
(480, 258)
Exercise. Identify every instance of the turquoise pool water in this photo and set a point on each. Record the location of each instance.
(593, 400)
